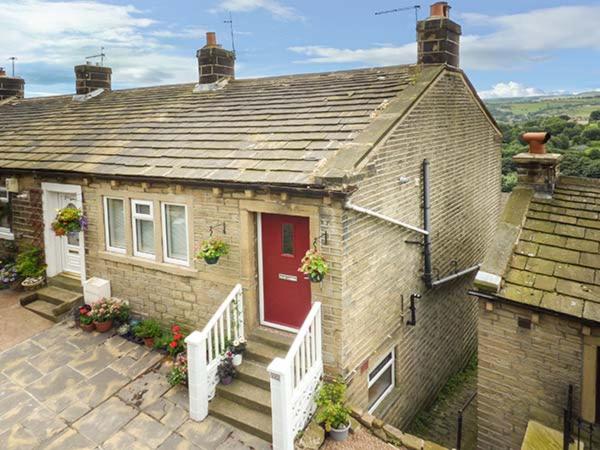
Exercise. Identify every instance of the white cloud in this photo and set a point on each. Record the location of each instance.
(514, 41)
(56, 35)
(275, 7)
(510, 90)
(374, 56)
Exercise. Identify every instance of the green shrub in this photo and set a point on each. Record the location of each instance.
(331, 412)
(149, 328)
(29, 263)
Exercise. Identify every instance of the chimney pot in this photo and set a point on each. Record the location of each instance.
(440, 9)
(11, 86)
(90, 77)
(536, 168)
(211, 39)
(536, 141)
(2, 72)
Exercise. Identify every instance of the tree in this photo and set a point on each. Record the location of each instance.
(595, 116)
(592, 133)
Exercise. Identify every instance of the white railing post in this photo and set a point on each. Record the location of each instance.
(281, 404)
(197, 375)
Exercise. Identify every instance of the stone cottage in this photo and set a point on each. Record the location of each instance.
(392, 173)
(539, 304)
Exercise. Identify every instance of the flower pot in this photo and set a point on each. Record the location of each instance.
(33, 286)
(315, 277)
(237, 359)
(103, 327)
(149, 342)
(87, 328)
(339, 434)
(227, 380)
(211, 260)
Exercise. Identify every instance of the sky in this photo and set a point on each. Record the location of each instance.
(509, 48)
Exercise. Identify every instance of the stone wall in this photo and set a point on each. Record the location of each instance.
(382, 267)
(524, 373)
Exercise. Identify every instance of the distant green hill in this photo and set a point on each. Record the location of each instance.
(577, 107)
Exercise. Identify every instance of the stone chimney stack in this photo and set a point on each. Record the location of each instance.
(11, 86)
(536, 168)
(214, 62)
(90, 77)
(438, 37)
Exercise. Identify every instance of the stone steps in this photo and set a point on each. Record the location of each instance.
(67, 282)
(246, 402)
(51, 302)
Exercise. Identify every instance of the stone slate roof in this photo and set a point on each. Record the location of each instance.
(269, 130)
(555, 264)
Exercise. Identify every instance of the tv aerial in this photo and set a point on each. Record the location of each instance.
(397, 10)
(230, 22)
(100, 55)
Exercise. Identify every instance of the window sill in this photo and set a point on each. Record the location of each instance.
(7, 235)
(173, 269)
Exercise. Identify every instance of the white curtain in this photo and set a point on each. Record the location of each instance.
(145, 236)
(176, 232)
(116, 222)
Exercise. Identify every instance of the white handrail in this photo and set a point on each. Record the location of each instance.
(205, 348)
(294, 381)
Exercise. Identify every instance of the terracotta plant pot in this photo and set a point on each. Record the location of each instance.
(103, 327)
(88, 328)
(227, 380)
(149, 342)
(211, 260)
(315, 277)
(340, 434)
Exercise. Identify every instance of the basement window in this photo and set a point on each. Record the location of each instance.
(143, 228)
(5, 215)
(382, 380)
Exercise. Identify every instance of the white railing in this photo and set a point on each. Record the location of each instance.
(205, 348)
(294, 382)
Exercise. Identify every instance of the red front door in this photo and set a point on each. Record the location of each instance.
(286, 293)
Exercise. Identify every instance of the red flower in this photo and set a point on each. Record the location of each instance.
(173, 344)
(177, 336)
(175, 328)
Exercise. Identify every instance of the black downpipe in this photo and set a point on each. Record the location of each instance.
(427, 270)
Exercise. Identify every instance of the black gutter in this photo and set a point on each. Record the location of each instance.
(427, 269)
(315, 191)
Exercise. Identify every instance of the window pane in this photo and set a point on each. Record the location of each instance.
(380, 386)
(142, 209)
(379, 366)
(287, 247)
(176, 232)
(116, 222)
(145, 236)
(5, 211)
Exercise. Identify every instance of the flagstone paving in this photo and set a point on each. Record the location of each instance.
(65, 389)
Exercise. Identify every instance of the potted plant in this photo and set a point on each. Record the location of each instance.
(178, 373)
(9, 276)
(86, 322)
(104, 312)
(314, 266)
(226, 370)
(332, 412)
(237, 348)
(176, 343)
(211, 250)
(148, 330)
(69, 220)
(29, 265)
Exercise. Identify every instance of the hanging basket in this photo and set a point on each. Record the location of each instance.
(69, 220)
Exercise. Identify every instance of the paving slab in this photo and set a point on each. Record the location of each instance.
(104, 421)
(15, 409)
(176, 442)
(19, 353)
(55, 383)
(74, 412)
(210, 433)
(18, 438)
(167, 413)
(55, 356)
(93, 361)
(23, 374)
(147, 430)
(124, 441)
(100, 387)
(43, 424)
(70, 440)
(145, 390)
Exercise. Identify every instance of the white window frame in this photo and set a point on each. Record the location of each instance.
(391, 363)
(166, 258)
(147, 217)
(106, 226)
(6, 233)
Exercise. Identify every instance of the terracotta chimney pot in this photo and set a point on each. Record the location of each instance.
(440, 9)
(536, 141)
(211, 39)
(2, 72)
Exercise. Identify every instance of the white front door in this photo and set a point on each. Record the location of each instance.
(63, 253)
(70, 247)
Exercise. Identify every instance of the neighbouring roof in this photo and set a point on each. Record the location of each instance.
(553, 259)
(267, 130)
